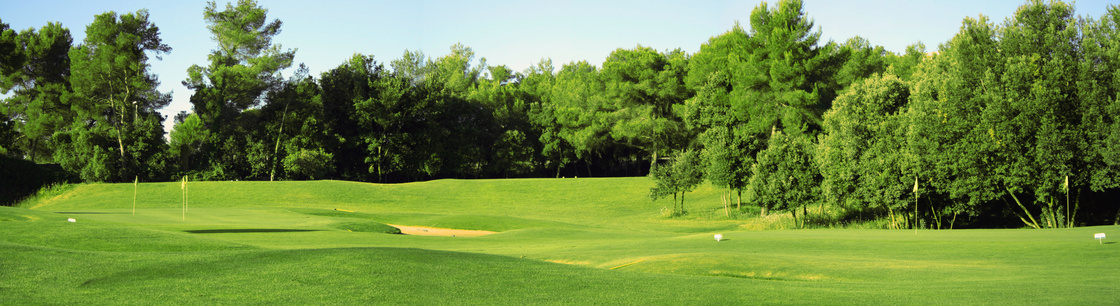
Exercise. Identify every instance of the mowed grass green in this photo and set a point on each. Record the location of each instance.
(559, 241)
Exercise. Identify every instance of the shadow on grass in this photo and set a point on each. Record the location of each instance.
(249, 230)
(85, 213)
(1109, 242)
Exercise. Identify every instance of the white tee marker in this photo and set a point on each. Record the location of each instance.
(1099, 237)
(719, 237)
(71, 220)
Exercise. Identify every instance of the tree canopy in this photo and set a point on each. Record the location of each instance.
(1009, 123)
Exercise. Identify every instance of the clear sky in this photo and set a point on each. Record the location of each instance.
(512, 33)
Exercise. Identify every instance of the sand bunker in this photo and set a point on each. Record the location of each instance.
(433, 231)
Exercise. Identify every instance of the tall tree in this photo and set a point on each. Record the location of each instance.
(294, 118)
(1036, 118)
(1099, 91)
(571, 115)
(785, 82)
(37, 67)
(784, 85)
(118, 133)
(862, 61)
(727, 144)
(785, 176)
(516, 143)
(948, 95)
(682, 174)
(904, 65)
(642, 86)
(862, 154)
(244, 66)
(186, 140)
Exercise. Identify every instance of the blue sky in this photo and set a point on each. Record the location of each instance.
(512, 33)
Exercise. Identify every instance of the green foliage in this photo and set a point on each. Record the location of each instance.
(187, 138)
(784, 82)
(727, 142)
(991, 125)
(308, 164)
(118, 133)
(243, 67)
(785, 177)
(863, 156)
(863, 60)
(905, 64)
(642, 87)
(1098, 85)
(682, 175)
(35, 67)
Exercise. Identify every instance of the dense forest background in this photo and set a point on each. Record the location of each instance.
(1016, 120)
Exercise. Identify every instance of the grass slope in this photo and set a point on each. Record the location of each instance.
(560, 241)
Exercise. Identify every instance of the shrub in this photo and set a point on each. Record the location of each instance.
(308, 164)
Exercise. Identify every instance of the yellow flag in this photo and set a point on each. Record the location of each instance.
(1067, 183)
(184, 183)
(915, 184)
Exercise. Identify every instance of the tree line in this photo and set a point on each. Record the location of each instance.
(1015, 120)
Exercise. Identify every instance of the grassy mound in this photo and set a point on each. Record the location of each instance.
(367, 227)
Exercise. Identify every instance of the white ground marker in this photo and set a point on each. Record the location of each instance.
(71, 220)
(719, 237)
(1099, 237)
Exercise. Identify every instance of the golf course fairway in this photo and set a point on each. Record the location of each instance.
(554, 241)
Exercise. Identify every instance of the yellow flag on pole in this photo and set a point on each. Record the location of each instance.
(915, 184)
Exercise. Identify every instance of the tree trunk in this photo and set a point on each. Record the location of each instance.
(727, 202)
(673, 212)
(739, 200)
(1033, 223)
(682, 203)
(793, 212)
(890, 211)
(804, 214)
(1116, 219)
(279, 134)
(1076, 206)
(1069, 219)
(723, 201)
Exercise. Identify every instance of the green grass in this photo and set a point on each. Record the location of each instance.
(560, 241)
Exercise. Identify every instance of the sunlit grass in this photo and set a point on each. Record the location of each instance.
(586, 241)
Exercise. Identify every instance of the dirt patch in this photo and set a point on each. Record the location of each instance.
(434, 231)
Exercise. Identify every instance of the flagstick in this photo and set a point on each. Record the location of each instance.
(183, 188)
(915, 205)
(135, 185)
